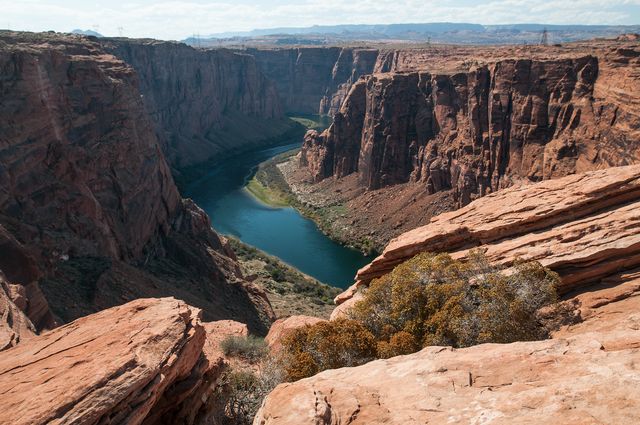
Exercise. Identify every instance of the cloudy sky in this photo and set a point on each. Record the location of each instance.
(178, 19)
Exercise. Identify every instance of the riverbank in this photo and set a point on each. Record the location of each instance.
(282, 133)
(342, 209)
(270, 186)
(289, 291)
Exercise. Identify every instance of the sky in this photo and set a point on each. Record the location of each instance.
(179, 19)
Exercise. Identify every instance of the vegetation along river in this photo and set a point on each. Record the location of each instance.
(282, 232)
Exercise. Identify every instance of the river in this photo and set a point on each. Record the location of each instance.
(282, 232)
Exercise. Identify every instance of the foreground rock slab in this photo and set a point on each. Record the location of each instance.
(588, 375)
(584, 226)
(140, 362)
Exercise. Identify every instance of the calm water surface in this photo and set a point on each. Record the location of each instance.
(282, 232)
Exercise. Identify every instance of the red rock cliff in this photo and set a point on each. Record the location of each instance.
(86, 193)
(314, 80)
(477, 127)
(204, 103)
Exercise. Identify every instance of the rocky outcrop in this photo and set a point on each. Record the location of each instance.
(283, 327)
(15, 326)
(87, 199)
(144, 362)
(473, 128)
(314, 80)
(585, 227)
(585, 374)
(204, 104)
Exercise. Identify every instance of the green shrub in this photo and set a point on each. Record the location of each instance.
(442, 301)
(431, 299)
(249, 347)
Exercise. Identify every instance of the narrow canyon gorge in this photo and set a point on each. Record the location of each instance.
(116, 293)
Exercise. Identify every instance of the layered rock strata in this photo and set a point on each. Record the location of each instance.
(479, 130)
(314, 80)
(204, 104)
(584, 226)
(144, 362)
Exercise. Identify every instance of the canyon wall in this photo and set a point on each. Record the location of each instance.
(204, 104)
(474, 128)
(314, 80)
(87, 199)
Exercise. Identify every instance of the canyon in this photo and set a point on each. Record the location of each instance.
(115, 290)
(445, 126)
(90, 216)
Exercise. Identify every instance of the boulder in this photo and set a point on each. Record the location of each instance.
(145, 361)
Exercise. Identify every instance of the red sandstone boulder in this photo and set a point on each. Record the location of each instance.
(146, 361)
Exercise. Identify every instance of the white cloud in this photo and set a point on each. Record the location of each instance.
(177, 19)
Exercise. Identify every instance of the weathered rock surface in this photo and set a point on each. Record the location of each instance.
(314, 80)
(204, 104)
(15, 326)
(585, 374)
(87, 196)
(130, 364)
(584, 226)
(477, 131)
(282, 327)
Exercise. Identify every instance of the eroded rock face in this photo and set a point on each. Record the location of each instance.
(314, 80)
(116, 366)
(474, 129)
(15, 326)
(585, 227)
(87, 196)
(586, 374)
(203, 103)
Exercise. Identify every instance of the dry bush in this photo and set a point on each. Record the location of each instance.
(431, 299)
(250, 348)
(326, 345)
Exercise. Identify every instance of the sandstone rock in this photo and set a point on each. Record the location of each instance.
(584, 226)
(86, 189)
(314, 80)
(452, 124)
(586, 374)
(118, 365)
(205, 104)
(345, 304)
(15, 326)
(282, 327)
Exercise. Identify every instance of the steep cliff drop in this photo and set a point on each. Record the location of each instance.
(204, 104)
(432, 130)
(314, 80)
(87, 198)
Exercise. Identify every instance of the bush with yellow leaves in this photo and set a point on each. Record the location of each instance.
(431, 299)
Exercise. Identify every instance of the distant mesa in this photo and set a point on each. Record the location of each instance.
(87, 32)
(436, 32)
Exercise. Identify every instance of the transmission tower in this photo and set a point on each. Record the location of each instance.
(120, 31)
(544, 40)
